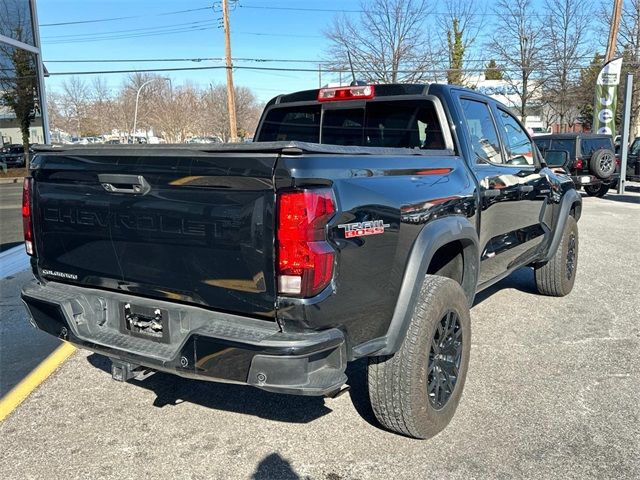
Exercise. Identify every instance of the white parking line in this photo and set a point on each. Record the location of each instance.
(13, 261)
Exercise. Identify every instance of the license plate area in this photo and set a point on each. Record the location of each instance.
(145, 322)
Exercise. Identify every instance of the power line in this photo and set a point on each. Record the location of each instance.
(168, 32)
(286, 69)
(243, 59)
(300, 9)
(93, 34)
(113, 19)
(339, 10)
(139, 35)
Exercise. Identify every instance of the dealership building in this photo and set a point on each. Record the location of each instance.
(22, 105)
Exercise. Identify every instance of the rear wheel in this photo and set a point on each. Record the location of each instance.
(597, 190)
(416, 391)
(604, 189)
(557, 276)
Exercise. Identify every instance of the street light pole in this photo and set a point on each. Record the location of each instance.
(135, 112)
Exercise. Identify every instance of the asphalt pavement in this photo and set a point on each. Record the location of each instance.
(22, 347)
(553, 391)
(10, 215)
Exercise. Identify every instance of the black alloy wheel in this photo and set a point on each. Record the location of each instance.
(445, 356)
(571, 256)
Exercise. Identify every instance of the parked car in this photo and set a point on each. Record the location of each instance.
(358, 224)
(633, 161)
(13, 155)
(591, 163)
(205, 140)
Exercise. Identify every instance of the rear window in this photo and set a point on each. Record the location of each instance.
(300, 123)
(395, 124)
(590, 145)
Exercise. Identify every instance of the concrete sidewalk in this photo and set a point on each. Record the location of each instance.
(13, 261)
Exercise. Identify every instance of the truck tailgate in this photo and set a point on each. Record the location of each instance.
(176, 224)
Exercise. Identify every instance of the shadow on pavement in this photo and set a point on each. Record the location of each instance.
(521, 280)
(9, 245)
(274, 466)
(172, 390)
(622, 198)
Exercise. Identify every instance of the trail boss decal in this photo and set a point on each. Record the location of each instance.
(374, 227)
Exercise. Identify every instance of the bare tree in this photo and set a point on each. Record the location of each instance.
(517, 45)
(459, 27)
(388, 42)
(174, 112)
(566, 44)
(214, 116)
(75, 102)
(101, 108)
(629, 46)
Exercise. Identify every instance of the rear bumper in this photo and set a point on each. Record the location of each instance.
(587, 179)
(199, 344)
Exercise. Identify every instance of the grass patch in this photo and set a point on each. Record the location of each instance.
(14, 172)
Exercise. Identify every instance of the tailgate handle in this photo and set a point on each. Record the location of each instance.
(131, 184)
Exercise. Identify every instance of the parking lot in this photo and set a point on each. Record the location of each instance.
(553, 391)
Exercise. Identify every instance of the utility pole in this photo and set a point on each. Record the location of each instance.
(231, 95)
(624, 137)
(613, 31)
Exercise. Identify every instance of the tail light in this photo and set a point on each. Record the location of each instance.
(358, 92)
(618, 162)
(578, 164)
(305, 258)
(27, 225)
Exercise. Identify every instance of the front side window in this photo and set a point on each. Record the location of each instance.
(484, 137)
(517, 143)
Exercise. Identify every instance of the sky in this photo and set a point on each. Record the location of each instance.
(142, 30)
(266, 33)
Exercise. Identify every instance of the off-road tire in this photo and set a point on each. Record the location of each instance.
(597, 190)
(603, 163)
(398, 388)
(557, 276)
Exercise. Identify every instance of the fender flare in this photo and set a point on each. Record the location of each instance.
(434, 235)
(569, 200)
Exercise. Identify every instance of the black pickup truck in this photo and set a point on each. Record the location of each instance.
(361, 223)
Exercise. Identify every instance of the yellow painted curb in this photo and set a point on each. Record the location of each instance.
(21, 391)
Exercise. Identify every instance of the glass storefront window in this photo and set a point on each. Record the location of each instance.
(20, 102)
(16, 20)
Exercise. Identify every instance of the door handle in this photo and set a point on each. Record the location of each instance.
(491, 193)
(130, 184)
(525, 188)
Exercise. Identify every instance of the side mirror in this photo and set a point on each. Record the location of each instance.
(556, 158)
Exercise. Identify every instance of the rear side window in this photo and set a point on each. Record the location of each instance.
(484, 136)
(590, 145)
(393, 124)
